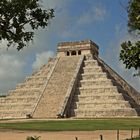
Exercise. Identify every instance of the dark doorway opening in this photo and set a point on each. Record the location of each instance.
(73, 53)
(68, 53)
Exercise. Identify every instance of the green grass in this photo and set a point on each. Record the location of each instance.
(74, 125)
(134, 139)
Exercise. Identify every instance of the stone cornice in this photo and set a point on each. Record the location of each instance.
(77, 43)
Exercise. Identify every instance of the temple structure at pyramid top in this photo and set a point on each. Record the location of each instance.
(74, 84)
(77, 48)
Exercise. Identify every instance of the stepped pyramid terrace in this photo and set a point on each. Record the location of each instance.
(77, 84)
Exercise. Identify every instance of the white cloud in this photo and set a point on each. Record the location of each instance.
(11, 71)
(95, 13)
(70, 25)
(41, 59)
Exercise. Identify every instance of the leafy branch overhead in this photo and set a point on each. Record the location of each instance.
(134, 16)
(130, 51)
(19, 19)
(130, 54)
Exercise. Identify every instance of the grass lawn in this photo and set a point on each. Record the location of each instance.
(134, 139)
(74, 125)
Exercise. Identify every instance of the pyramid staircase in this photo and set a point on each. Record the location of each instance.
(100, 95)
(57, 88)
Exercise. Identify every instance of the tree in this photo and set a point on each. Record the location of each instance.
(130, 51)
(19, 19)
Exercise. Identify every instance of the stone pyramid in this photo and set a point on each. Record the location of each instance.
(77, 83)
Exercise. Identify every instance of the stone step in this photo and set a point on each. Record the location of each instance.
(13, 114)
(20, 97)
(12, 108)
(9, 116)
(101, 105)
(41, 72)
(24, 93)
(2, 105)
(12, 99)
(94, 76)
(117, 112)
(36, 78)
(44, 68)
(29, 95)
(18, 100)
(90, 63)
(31, 83)
(96, 93)
(98, 97)
(34, 81)
(96, 69)
(27, 89)
(17, 110)
(99, 89)
(24, 90)
(96, 83)
(29, 86)
(111, 101)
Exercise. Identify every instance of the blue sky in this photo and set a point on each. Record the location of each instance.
(102, 21)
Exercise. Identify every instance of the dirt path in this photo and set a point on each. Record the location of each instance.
(67, 135)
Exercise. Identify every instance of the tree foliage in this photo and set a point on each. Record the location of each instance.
(130, 51)
(19, 19)
(134, 15)
(130, 54)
